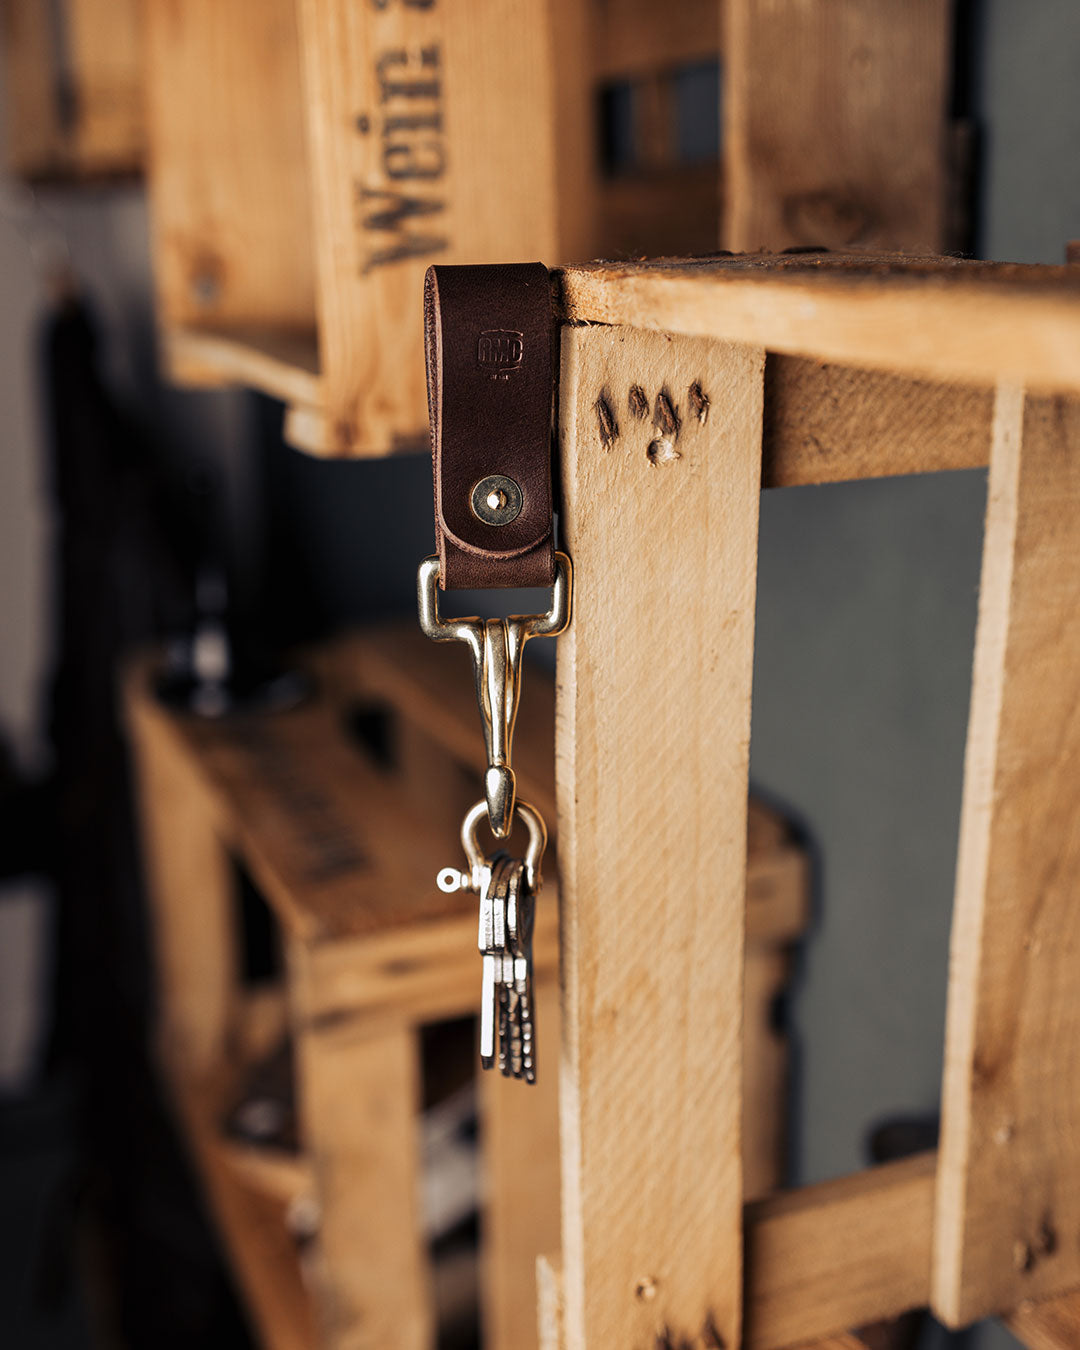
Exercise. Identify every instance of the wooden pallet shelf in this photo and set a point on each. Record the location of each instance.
(309, 160)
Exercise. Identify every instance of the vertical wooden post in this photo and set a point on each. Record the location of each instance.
(359, 1091)
(191, 896)
(834, 124)
(661, 454)
(1008, 1196)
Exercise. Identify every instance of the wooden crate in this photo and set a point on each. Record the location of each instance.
(655, 1246)
(346, 855)
(310, 158)
(74, 87)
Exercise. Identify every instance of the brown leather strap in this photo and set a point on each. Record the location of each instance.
(489, 335)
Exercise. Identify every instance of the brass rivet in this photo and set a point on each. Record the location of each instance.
(496, 500)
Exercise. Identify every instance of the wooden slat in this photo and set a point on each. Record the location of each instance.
(827, 424)
(331, 841)
(191, 892)
(1009, 1182)
(941, 319)
(834, 124)
(360, 1095)
(253, 1222)
(523, 1204)
(104, 48)
(230, 204)
(281, 362)
(635, 215)
(839, 1254)
(651, 779)
(415, 112)
(1053, 1324)
(35, 139)
(639, 37)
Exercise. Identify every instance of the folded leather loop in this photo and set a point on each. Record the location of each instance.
(489, 336)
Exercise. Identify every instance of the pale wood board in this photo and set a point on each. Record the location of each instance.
(1009, 1180)
(228, 176)
(104, 44)
(834, 124)
(191, 895)
(651, 779)
(839, 1254)
(549, 1303)
(523, 1203)
(939, 319)
(360, 1098)
(414, 112)
(281, 362)
(1053, 1324)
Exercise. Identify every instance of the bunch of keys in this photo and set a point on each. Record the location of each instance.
(508, 888)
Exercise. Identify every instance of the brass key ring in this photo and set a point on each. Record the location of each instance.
(450, 879)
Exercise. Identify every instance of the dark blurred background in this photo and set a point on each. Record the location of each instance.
(867, 596)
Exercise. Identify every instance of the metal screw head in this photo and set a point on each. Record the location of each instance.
(496, 499)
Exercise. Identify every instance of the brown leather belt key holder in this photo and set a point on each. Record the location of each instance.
(489, 340)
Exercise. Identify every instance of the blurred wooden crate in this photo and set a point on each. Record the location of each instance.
(310, 158)
(74, 87)
(345, 854)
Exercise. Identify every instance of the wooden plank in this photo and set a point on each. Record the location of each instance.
(230, 204)
(1053, 1324)
(549, 1312)
(330, 839)
(360, 1099)
(35, 139)
(281, 362)
(523, 1204)
(420, 972)
(939, 319)
(254, 1224)
(416, 111)
(765, 1070)
(635, 215)
(639, 37)
(834, 124)
(521, 1215)
(104, 47)
(827, 424)
(1009, 1182)
(190, 887)
(839, 1254)
(652, 782)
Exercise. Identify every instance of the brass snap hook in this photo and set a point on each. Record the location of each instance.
(496, 646)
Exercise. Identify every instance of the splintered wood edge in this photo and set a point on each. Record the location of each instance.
(940, 319)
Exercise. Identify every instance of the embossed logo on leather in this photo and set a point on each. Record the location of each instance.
(499, 351)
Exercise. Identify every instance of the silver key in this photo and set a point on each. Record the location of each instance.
(491, 940)
(520, 917)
